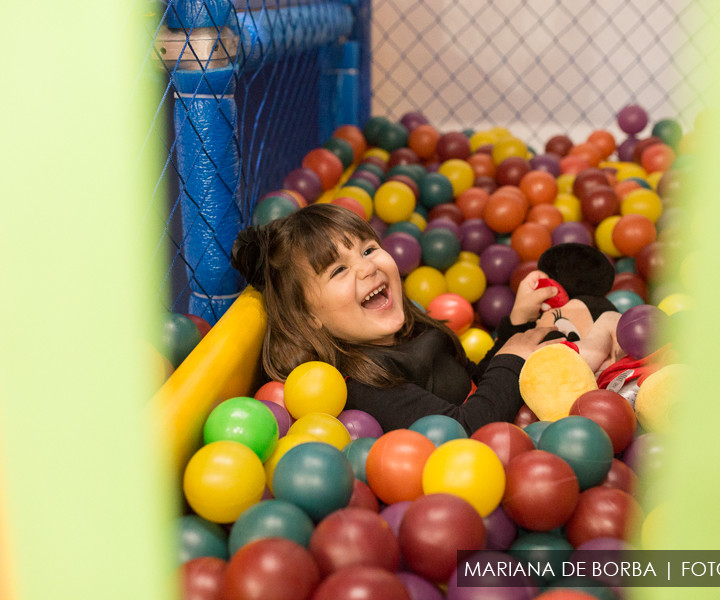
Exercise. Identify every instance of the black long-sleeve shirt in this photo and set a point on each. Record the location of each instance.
(439, 384)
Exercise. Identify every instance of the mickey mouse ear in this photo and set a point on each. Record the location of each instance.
(581, 269)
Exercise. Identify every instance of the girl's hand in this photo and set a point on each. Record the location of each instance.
(529, 298)
(525, 343)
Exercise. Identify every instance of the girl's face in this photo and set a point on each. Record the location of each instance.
(358, 298)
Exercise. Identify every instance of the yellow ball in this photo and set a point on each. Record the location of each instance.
(481, 138)
(423, 284)
(315, 386)
(394, 201)
(675, 303)
(285, 443)
(656, 396)
(627, 170)
(501, 133)
(377, 152)
(569, 206)
(468, 469)
(323, 427)
(460, 174)
(654, 178)
(603, 236)
(476, 343)
(469, 257)
(655, 523)
(326, 197)
(508, 147)
(565, 183)
(222, 479)
(642, 202)
(358, 194)
(419, 220)
(467, 280)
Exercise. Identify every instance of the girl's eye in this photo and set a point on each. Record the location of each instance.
(369, 250)
(337, 271)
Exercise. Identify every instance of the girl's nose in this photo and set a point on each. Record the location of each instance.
(367, 267)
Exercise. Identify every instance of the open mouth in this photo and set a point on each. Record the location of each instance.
(378, 298)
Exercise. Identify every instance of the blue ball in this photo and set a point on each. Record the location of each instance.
(439, 429)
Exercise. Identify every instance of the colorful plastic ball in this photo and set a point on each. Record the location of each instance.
(476, 236)
(476, 343)
(498, 261)
(453, 144)
(273, 391)
(559, 145)
(505, 148)
(631, 282)
(651, 261)
(418, 587)
(512, 170)
(642, 202)
(466, 468)
(587, 180)
(575, 594)
(452, 309)
(583, 444)
(573, 164)
(603, 236)
(535, 429)
(638, 329)
(612, 412)
(504, 212)
(372, 127)
(393, 514)
(375, 166)
(632, 119)
(603, 512)
(486, 183)
(543, 548)
(599, 203)
(624, 299)
(676, 302)
(632, 233)
(432, 530)
(314, 387)
(201, 578)
(541, 490)
(395, 464)
(425, 283)
(199, 537)
(520, 272)
(363, 497)
(358, 194)
(669, 131)
(316, 477)
(482, 165)
(571, 232)
(405, 250)
(244, 420)
(530, 240)
(271, 569)
(447, 211)
(626, 264)
(467, 280)
(361, 581)
(353, 135)
(434, 188)
(354, 536)
(360, 424)
(472, 202)
(404, 227)
(548, 163)
(569, 206)
(402, 156)
(539, 187)
(621, 477)
(500, 530)
(588, 151)
(495, 303)
(505, 439)
(323, 427)
(440, 248)
(177, 337)
(439, 429)
(222, 479)
(626, 149)
(604, 141)
(444, 222)
(357, 452)
(365, 180)
(351, 204)
(394, 201)
(503, 579)
(658, 157)
(423, 140)
(342, 149)
(305, 181)
(547, 215)
(459, 173)
(270, 519)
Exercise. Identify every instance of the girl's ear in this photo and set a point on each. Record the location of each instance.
(315, 323)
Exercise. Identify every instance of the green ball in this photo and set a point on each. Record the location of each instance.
(199, 537)
(244, 420)
(372, 128)
(440, 248)
(434, 189)
(270, 518)
(536, 429)
(583, 444)
(342, 149)
(543, 548)
(392, 136)
(669, 131)
(414, 172)
(625, 264)
(372, 167)
(363, 184)
(273, 207)
(405, 227)
(624, 300)
(357, 452)
(439, 429)
(178, 337)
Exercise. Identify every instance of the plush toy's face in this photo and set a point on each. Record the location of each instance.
(573, 319)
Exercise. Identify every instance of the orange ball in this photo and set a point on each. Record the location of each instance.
(632, 233)
(658, 157)
(452, 309)
(623, 188)
(354, 136)
(395, 463)
(504, 212)
(351, 204)
(472, 202)
(482, 164)
(327, 165)
(589, 151)
(573, 164)
(423, 140)
(547, 215)
(539, 187)
(604, 141)
(530, 240)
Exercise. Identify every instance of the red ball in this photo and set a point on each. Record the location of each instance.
(271, 569)
(482, 164)
(454, 144)
(202, 325)
(504, 212)
(402, 156)
(559, 144)
(530, 240)
(505, 439)
(511, 170)
(651, 262)
(354, 536)
(603, 512)
(541, 490)
(201, 578)
(433, 529)
(643, 145)
(631, 282)
(325, 164)
(363, 497)
(362, 583)
(454, 310)
(612, 412)
(408, 181)
(632, 233)
(622, 477)
(274, 391)
(525, 416)
(588, 179)
(449, 210)
(599, 203)
(472, 202)
(520, 272)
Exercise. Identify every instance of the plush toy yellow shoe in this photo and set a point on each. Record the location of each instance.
(552, 378)
(657, 395)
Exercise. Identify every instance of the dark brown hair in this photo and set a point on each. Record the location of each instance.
(290, 340)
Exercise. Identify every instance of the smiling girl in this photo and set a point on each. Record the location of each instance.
(333, 294)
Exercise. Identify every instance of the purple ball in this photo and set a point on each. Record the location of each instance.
(432, 167)
(632, 119)
(282, 194)
(445, 223)
(498, 587)
(550, 163)
(305, 181)
(626, 150)
(378, 225)
(476, 236)
(360, 424)
(419, 588)
(498, 261)
(638, 330)
(569, 232)
(282, 416)
(367, 175)
(412, 119)
(646, 454)
(495, 303)
(500, 530)
(394, 513)
(405, 249)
